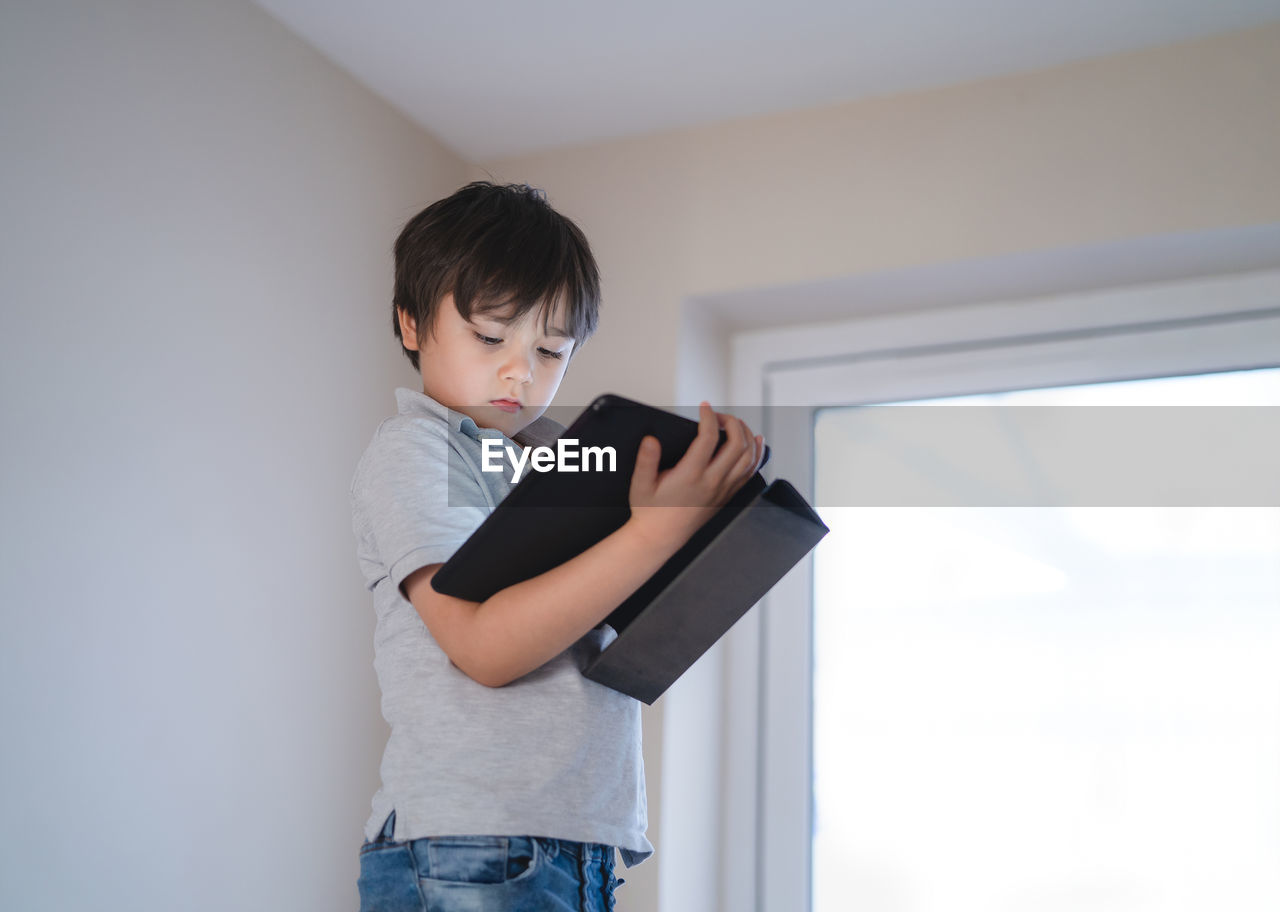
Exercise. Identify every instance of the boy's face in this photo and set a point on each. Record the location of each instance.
(469, 366)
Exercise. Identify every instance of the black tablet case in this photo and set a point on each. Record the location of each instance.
(679, 613)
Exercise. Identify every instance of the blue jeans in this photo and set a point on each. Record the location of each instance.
(484, 874)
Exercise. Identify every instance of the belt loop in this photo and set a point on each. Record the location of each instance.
(604, 882)
(389, 828)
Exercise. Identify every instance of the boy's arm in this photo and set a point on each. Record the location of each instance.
(523, 626)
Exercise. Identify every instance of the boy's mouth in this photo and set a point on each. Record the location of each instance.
(507, 405)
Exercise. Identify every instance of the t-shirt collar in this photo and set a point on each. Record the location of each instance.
(416, 402)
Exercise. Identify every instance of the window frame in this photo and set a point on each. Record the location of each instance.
(1203, 325)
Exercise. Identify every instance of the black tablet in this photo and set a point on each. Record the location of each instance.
(552, 516)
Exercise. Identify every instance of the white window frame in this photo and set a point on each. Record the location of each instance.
(1195, 326)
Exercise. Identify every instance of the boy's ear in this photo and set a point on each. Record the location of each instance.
(408, 329)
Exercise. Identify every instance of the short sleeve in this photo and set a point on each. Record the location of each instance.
(403, 512)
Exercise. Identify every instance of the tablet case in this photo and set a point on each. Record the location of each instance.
(694, 598)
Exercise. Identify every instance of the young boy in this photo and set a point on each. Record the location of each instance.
(508, 778)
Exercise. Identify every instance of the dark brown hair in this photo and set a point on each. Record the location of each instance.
(493, 247)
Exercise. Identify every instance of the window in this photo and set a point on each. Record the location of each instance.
(1073, 707)
(1105, 339)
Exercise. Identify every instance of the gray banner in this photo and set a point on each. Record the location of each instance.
(1048, 456)
(1000, 455)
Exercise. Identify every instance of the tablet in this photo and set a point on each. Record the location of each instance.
(552, 516)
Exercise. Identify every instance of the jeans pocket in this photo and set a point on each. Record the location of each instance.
(480, 859)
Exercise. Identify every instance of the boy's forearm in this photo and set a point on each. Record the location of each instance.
(526, 625)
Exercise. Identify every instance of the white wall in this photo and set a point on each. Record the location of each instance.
(1172, 140)
(1152, 156)
(195, 269)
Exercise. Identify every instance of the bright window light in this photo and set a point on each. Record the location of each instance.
(1048, 709)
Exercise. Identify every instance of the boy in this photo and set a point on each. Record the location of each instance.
(508, 778)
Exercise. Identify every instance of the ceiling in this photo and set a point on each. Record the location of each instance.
(503, 78)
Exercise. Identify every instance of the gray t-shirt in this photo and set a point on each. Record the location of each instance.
(550, 754)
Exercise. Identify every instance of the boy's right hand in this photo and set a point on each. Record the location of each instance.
(668, 507)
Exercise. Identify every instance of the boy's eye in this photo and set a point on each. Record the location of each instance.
(490, 340)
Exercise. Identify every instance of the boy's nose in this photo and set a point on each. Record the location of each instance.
(518, 368)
